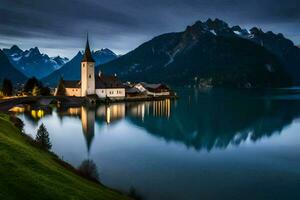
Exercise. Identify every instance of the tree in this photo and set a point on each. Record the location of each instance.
(17, 122)
(45, 91)
(7, 87)
(89, 170)
(31, 83)
(36, 91)
(61, 90)
(42, 138)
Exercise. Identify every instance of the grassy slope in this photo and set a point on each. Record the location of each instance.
(30, 173)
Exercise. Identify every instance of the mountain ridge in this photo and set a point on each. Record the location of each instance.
(209, 51)
(72, 69)
(8, 71)
(32, 62)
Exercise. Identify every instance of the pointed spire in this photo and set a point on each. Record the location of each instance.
(87, 57)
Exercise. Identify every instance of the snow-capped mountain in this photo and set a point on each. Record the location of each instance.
(8, 71)
(32, 62)
(71, 70)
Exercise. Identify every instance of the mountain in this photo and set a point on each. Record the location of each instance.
(71, 70)
(283, 48)
(209, 53)
(8, 71)
(32, 63)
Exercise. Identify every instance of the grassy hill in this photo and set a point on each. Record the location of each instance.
(27, 172)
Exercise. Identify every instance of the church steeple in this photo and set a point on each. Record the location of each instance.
(87, 57)
(87, 72)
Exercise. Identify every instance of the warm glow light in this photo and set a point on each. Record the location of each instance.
(74, 111)
(108, 115)
(37, 114)
(17, 109)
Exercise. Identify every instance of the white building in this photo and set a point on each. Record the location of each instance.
(153, 89)
(101, 85)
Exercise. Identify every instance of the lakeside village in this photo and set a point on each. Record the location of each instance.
(101, 87)
(108, 87)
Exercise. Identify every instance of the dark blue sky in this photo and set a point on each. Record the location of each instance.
(59, 27)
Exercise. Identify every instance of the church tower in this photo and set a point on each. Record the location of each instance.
(87, 72)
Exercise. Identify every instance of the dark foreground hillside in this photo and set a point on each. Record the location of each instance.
(30, 173)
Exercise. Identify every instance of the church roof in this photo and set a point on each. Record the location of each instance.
(104, 81)
(87, 57)
(71, 84)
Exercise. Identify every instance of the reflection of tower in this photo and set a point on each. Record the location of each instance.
(88, 125)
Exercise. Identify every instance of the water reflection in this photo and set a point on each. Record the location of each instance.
(159, 147)
(88, 125)
(201, 121)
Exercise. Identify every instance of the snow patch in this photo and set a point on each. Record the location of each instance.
(237, 32)
(269, 67)
(171, 57)
(213, 32)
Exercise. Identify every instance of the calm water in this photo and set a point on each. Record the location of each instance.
(207, 145)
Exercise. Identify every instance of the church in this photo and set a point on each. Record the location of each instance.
(91, 84)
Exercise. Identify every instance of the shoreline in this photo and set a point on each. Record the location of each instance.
(37, 101)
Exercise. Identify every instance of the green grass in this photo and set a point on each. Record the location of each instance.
(27, 172)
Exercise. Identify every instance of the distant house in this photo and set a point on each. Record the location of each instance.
(135, 92)
(102, 85)
(153, 89)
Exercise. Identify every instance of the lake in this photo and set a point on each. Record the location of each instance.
(209, 144)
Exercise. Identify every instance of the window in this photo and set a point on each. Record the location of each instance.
(83, 65)
(90, 76)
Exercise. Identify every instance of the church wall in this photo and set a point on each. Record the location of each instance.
(111, 93)
(73, 92)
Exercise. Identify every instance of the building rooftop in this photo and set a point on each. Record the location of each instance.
(72, 84)
(104, 81)
(87, 57)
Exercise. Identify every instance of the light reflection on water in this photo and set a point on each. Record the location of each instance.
(212, 145)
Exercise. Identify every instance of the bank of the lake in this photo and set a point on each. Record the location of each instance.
(28, 172)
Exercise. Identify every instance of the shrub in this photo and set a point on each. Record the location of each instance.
(17, 122)
(134, 194)
(42, 138)
(88, 169)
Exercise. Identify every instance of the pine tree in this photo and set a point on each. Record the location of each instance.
(42, 137)
(7, 87)
(61, 90)
(30, 84)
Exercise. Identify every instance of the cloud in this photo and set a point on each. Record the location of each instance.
(123, 24)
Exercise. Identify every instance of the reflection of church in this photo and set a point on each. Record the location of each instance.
(108, 114)
(88, 125)
(155, 108)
